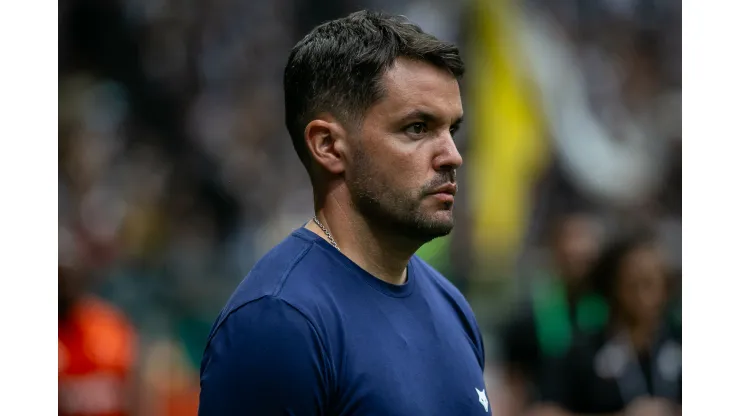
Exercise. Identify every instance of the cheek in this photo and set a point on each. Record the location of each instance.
(369, 174)
(415, 168)
(405, 162)
(403, 166)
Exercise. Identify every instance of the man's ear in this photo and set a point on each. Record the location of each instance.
(326, 140)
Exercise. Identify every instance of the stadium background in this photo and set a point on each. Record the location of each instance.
(176, 172)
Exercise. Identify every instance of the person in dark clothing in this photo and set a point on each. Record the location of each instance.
(559, 305)
(341, 317)
(633, 365)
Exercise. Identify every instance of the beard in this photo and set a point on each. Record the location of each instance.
(397, 211)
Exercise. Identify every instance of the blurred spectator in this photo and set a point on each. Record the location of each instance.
(560, 305)
(97, 344)
(633, 365)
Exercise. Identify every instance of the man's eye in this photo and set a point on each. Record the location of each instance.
(416, 128)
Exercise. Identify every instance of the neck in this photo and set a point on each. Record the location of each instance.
(383, 254)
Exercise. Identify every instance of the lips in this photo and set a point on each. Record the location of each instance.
(449, 188)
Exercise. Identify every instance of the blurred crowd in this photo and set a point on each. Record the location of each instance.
(176, 174)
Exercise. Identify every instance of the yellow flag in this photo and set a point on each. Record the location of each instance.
(507, 143)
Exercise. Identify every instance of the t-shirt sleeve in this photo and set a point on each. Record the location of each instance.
(480, 346)
(265, 359)
(474, 332)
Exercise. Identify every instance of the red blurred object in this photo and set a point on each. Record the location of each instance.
(97, 348)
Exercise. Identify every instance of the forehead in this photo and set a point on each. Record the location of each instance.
(417, 85)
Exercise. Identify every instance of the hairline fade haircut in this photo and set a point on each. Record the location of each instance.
(338, 68)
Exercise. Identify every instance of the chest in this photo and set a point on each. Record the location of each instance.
(410, 362)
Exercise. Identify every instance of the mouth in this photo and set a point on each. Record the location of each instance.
(445, 193)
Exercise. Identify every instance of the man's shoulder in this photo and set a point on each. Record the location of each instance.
(279, 268)
(440, 283)
(290, 273)
(256, 316)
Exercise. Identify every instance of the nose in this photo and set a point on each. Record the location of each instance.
(448, 157)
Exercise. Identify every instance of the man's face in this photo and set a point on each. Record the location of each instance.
(404, 155)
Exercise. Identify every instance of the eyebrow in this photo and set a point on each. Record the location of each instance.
(427, 117)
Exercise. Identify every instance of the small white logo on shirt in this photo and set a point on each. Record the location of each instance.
(482, 398)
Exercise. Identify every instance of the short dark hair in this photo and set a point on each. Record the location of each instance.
(337, 68)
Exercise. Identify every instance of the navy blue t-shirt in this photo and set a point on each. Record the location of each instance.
(308, 332)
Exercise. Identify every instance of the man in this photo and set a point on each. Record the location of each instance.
(341, 318)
